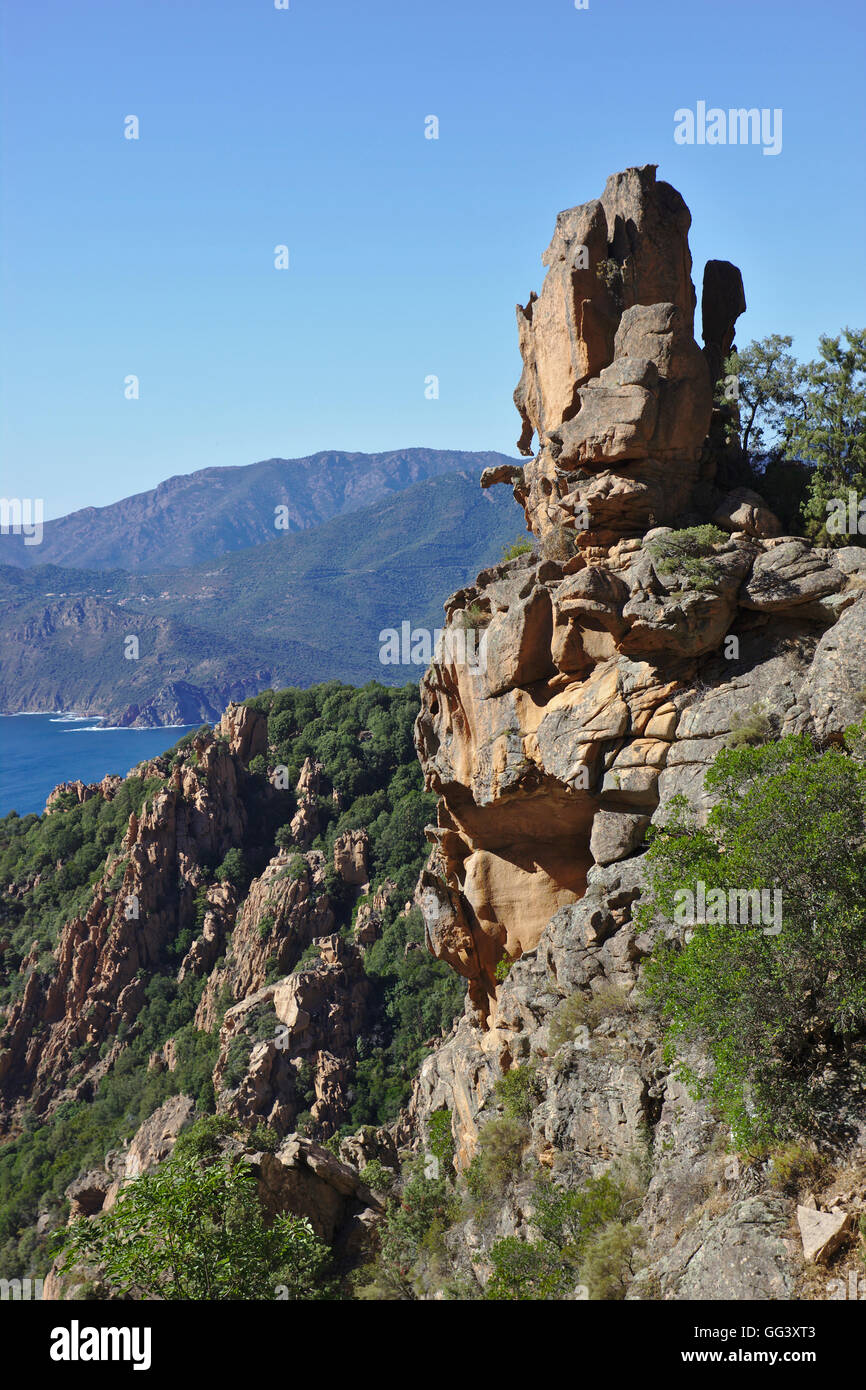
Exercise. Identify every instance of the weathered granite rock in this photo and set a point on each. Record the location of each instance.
(835, 688)
(740, 1255)
(615, 680)
(613, 381)
(745, 510)
(350, 857)
(723, 299)
(822, 1232)
(246, 730)
(296, 1038)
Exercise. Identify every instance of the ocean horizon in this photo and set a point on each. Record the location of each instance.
(39, 750)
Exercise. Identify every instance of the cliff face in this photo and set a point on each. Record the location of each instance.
(146, 895)
(613, 677)
(659, 604)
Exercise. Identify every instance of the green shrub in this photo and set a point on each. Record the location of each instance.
(795, 1165)
(611, 1260)
(757, 725)
(519, 1091)
(266, 925)
(581, 1010)
(237, 1061)
(498, 1159)
(410, 1239)
(763, 1004)
(524, 1270)
(688, 553)
(194, 1230)
(377, 1177)
(298, 868)
(440, 1140)
(518, 547)
(473, 617)
(234, 870)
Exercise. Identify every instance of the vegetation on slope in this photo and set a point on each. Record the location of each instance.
(778, 1004)
(378, 786)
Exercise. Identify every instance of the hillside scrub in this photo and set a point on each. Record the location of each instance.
(771, 1008)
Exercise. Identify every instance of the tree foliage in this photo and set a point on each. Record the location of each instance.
(768, 1008)
(194, 1230)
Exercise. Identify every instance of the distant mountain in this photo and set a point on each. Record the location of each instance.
(203, 515)
(306, 607)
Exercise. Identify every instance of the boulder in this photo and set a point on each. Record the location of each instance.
(822, 1232)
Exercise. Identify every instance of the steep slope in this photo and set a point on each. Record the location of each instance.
(203, 934)
(570, 1137)
(307, 607)
(640, 643)
(200, 516)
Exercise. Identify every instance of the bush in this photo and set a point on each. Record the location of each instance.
(440, 1140)
(233, 870)
(757, 725)
(519, 1091)
(498, 1160)
(518, 547)
(284, 838)
(471, 618)
(298, 868)
(524, 1270)
(794, 1165)
(377, 1177)
(610, 1260)
(580, 1011)
(410, 1239)
(765, 1006)
(195, 1230)
(687, 553)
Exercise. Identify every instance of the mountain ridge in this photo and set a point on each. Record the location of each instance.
(214, 511)
(229, 627)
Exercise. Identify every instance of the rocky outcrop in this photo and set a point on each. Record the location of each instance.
(305, 822)
(74, 793)
(350, 857)
(246, 730)
(554, 753)
(620, 656)
(296, 1042)
(285, 910)
(614, 385)
(144, 899)
(300, 1178)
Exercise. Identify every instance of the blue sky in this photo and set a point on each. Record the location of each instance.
(305, 127)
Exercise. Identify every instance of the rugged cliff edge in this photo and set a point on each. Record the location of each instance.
(611, 682)
(236, 937)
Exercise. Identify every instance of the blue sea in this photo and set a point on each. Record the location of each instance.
(39, 750)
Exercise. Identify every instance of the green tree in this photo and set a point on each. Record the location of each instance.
(525, 1270)
(769, 393)
(233, 870)
(763, 1003)
(831, 436)
(195, 1230)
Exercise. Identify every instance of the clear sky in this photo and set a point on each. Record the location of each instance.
(306, 127)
